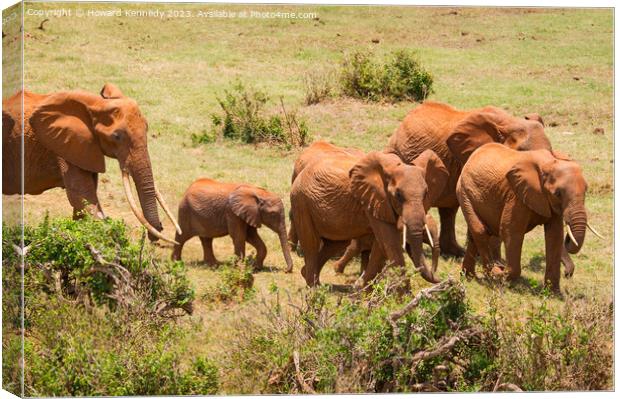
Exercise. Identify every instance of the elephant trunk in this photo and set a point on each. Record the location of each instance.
(148, 195)
(576, 220)
(285, 247)
(415, 239)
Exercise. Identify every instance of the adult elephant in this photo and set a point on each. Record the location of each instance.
(315, 152)
(65, 139)
(506, 193)
(340, 199)
(453, 135)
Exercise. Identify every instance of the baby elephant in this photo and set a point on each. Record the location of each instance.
(212, 209)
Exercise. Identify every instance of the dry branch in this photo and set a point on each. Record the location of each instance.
(300, 378)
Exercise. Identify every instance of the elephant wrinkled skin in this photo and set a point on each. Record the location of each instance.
(506, 193)
(453, 135)
(211, 209)
(343, 198)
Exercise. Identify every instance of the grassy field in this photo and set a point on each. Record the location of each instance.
(557, 62)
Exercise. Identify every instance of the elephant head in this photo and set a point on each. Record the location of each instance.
(553, 186)
(397, 193)
(82, 128)
(492, 124)
(256, 207)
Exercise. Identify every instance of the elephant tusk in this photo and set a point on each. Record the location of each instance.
(138, 213)
(596, 233)
(404, 236)
(570, 234)
(428, 233)
(164, 206)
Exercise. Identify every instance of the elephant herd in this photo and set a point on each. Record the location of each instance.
(501, 170)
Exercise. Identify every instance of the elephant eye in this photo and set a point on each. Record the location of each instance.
(117, 135)
(399, 196)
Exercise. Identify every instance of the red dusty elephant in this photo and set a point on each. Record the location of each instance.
(66, 137)
(211, 209)
(506, 193)
(453, 135)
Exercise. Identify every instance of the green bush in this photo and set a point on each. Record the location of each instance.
(355, 344)
(558, 351)
(235, 284)
(62, 257)
(350, 345)
(401, 77)
(96, 323)
(73, 352)
(243, 118)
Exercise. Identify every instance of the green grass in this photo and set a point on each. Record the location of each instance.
(521, 60)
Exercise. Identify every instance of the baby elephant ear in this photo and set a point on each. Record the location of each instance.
(369, 183)
(534, 117)
(110, 90)
(435, 174)
(525, 178)
(473, 132)
(244, 203)
(63, 123)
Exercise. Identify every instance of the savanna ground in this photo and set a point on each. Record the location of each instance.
(556, 62)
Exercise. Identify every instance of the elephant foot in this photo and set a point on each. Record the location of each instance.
(211, 262)
(452, 251)
(468, 272)
(338, 268)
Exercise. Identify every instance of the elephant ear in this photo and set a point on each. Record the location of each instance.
(63, 123)
(435, 174)
(244, 203)
(369, 183)
(534, 117)
(477, 129)
(525, 178)
(110, 90)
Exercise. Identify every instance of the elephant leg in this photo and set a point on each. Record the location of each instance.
(495, 250)
(329, 250)
(447, 235)
(512, 231)
(365, 256)
(469, 260)
(261, 250)
(376, 262)
(292, 234)
(477, 233)
(238, 231)
(81, 188)
(554, 245)
(310, 243)
(208, 256)
(353, 249)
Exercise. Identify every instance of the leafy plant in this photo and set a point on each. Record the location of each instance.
(235, 284)
(94, 261)
(243, 118)
(368, 342)
(401, 77)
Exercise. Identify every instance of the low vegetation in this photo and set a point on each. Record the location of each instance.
(429, 340)
(244, 118)
(400, 77)
(319, 86)
(235, 283)
(97, 314)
